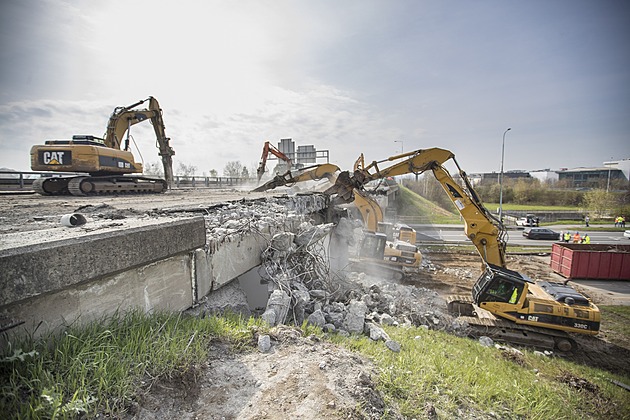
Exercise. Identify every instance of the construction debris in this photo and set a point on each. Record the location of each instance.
(303, 283)
(304, 288)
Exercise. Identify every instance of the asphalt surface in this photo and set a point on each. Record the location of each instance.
(455, 233)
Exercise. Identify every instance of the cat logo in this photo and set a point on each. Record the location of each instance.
(55, 158)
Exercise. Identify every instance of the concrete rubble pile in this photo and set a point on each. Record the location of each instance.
(302, 288)
(226, 222)
(301, 285)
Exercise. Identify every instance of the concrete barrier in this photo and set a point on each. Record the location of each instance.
(34, 270)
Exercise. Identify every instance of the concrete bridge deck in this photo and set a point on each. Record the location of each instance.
(156, 253)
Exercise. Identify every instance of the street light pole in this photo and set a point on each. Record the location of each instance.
(402, 146)
(608, 183)
(501, 178)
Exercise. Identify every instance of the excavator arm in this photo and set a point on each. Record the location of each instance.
(269, 148)
(123, 118)
(311, 173)
(370, 210)
(484, 230)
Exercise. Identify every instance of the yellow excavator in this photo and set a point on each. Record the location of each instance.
(107, 163)
(391, 256)
(505, 305)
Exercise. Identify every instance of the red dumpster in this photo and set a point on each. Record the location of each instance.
(591, 261)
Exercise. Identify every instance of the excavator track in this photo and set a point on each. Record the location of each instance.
(483, 323)
(377, 268)
(99, 185)
(51, 186)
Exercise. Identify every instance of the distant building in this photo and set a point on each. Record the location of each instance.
(599, 177)
(305, 156)
(622, 165)
(590, 177)
(545, 175)
(493, 177)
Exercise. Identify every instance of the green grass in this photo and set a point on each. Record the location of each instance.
(616, 324)
(99, 368)
(422, 210)
(468, 248)
(461, 378)
(530, 207)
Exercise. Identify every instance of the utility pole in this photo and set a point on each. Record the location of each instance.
(501, 178)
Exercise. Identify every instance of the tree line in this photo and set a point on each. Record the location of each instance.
(233, 169)
(597, 201)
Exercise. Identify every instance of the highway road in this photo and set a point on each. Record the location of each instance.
(445, 233)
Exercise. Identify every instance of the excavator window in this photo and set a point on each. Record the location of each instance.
(504, 290)
(539, 307)
(581, 314)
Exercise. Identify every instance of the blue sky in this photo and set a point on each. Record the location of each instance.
(351, 77)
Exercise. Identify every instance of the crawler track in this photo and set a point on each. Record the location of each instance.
(483, 323)
(99, 185)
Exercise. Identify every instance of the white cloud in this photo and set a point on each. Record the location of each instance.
(349, 77)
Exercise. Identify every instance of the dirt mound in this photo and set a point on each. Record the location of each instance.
(300, 378)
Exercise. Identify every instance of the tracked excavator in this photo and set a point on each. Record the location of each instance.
(107, 163)
(389, 256)
(505, 305)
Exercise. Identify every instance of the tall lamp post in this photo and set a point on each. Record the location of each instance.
(402, 146)
(501, 178)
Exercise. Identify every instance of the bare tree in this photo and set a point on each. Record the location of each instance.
(599, 202)
(153, 168)
(233, 169)
(186, 171)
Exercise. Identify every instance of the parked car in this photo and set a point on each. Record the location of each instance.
(541, 233)
(627, 234)
(528, 220)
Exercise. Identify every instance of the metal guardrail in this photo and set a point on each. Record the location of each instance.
(23, 181)
(209, 181)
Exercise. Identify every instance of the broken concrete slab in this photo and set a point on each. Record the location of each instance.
(37, 269)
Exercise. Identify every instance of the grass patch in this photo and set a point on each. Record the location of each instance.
(616, 324)
(99, 368)
(422, 210)
(462, 379)
(467, 248)
(531, 207)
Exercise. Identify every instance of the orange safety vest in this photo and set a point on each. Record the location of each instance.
(576, 238)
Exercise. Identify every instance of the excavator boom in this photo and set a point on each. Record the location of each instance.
(486, 232)
(310, 173)
(123, 118)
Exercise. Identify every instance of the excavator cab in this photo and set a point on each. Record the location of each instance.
(373, 245)
(498, 284)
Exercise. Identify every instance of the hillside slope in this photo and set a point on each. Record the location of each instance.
(410, 204)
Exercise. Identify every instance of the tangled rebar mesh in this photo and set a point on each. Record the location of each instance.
(297, 265)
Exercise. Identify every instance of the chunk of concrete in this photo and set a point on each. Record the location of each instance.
(277, 308)
(355, 316)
